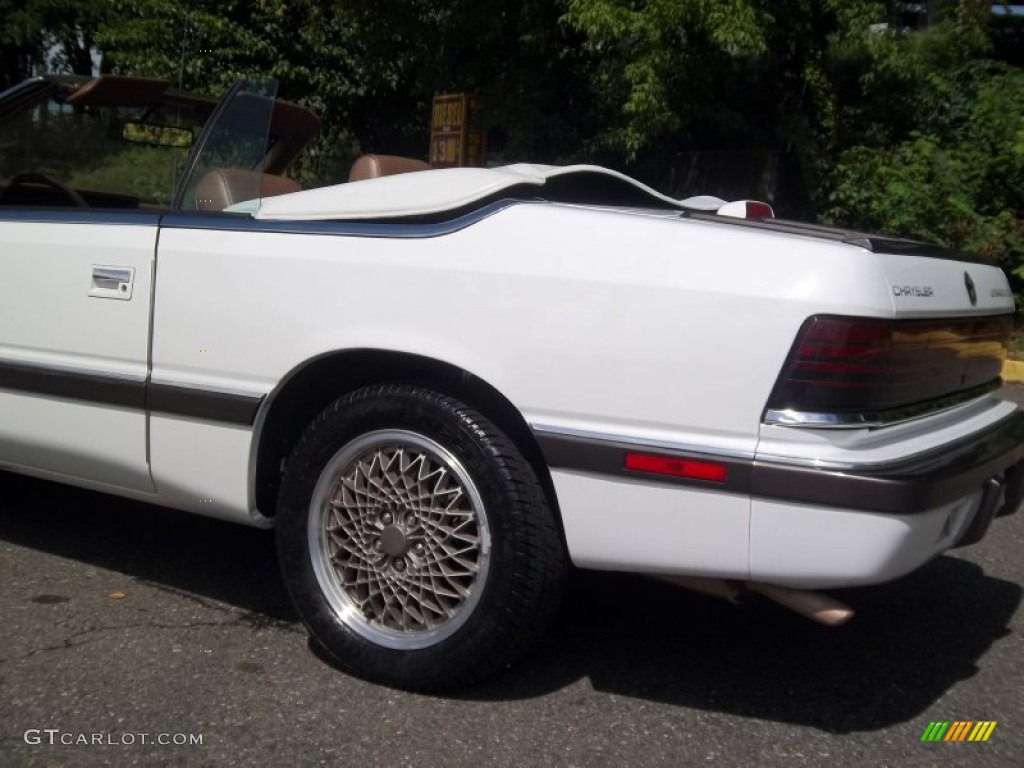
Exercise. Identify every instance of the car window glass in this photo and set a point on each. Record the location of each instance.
(110, 157)
(234, 146)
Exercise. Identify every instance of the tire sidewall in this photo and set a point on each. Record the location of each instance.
(456, 429)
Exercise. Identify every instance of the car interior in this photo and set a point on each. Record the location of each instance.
(118, 142)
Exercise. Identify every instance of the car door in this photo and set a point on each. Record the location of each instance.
(74, 333)
(76, 277)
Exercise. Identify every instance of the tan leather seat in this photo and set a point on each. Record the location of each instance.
(223, 187)
(375, 166)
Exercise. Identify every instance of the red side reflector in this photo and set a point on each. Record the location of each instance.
(666, 465)
(756, 210)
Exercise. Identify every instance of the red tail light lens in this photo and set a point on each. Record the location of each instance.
(667, 465)
(864, 365)
(756, 210)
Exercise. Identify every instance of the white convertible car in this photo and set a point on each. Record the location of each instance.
(442, 387)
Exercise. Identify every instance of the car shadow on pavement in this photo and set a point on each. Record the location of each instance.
(627, 635)
(200, 556)
(909, 643)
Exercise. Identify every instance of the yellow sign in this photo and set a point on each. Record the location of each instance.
(456, 131)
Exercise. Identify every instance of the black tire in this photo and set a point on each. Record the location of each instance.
(417, 605)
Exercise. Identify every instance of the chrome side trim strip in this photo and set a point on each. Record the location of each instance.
(91, 386)
(790, 418)
(130, 392)
(874, 419)
(640, 442)
(203, 404)
(910, 485)
(608, 457)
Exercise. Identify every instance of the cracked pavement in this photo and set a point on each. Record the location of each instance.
(118, 618)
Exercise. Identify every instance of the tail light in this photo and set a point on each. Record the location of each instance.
(862, 370)
(747, 209)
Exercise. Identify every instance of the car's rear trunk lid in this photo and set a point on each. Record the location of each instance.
(945, 343)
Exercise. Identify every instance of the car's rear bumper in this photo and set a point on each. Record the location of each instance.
(843, 528)
(916, 484)
(819, 547)
(788, 524)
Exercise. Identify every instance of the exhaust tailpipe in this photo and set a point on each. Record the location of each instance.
(816, 606)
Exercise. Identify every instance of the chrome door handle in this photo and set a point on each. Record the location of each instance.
(112, 282)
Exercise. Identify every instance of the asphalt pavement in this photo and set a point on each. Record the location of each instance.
(124, 626)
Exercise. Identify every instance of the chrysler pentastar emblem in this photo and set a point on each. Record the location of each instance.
(972, 292)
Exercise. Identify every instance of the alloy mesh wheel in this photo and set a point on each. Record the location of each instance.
(399, 539)
(416, 540)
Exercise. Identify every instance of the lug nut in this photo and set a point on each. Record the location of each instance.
(399, 564)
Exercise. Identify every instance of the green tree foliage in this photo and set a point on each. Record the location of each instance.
(956, 176)
(528, 67)
(663, 67)
(682, 75)
(912, 132)
(204, 46)
(36, 35)
(371, 71)
(371, 68)
(21, 42)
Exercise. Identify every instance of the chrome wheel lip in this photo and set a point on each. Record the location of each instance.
(320, 513)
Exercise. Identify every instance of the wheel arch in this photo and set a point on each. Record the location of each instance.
(311, 386)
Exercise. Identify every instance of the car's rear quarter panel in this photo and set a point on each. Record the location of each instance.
(614, 323)
(617, 324)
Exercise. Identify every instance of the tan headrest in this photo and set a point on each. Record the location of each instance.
(222, 187)
(374, 166)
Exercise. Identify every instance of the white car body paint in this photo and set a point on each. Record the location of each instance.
(841, 548)
(48, 319)
(640, 326)
(659, 528)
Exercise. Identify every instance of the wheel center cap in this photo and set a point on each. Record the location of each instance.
(393, 541)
